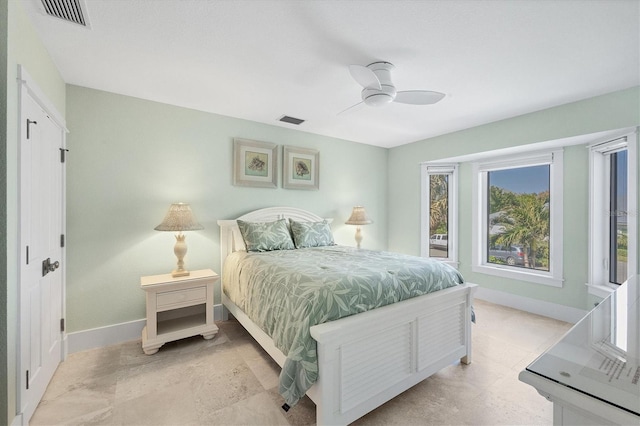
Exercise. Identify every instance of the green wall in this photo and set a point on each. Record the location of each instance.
(130, 158)
(23, 47)
(612, 111)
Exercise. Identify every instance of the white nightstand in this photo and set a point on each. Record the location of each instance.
(178, 308)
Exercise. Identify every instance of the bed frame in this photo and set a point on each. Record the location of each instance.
(367, 359)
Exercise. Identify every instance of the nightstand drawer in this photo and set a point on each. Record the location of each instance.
(186, 297)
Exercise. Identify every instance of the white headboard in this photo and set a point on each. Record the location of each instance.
(231, 240)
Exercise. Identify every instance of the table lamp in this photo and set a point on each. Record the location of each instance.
(358, 217)
(179, 218)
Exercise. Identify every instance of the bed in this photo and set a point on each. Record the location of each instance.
(365, 359)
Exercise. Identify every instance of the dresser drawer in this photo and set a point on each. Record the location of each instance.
(186, 297)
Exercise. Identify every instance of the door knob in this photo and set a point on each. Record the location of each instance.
(47, 266)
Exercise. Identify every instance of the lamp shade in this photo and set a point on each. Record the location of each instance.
(358, 217)
(179, 218)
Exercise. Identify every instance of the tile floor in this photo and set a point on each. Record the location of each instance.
(230, 381)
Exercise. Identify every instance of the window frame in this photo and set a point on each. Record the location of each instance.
(599, 201)
(451, 170)
(553, 158)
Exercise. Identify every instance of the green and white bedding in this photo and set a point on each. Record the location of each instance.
(286, 292)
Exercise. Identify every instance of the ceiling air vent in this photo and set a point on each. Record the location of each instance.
(68, 10)
(291, 120)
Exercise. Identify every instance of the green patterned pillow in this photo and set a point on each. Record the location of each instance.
(311, 234)
(266, 236)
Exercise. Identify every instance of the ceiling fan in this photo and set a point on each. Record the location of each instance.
(378, 89)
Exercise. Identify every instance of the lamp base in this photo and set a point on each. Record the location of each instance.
(180, 249)
(183, 273)
(358, 236)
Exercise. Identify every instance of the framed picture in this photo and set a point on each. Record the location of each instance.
(301, 168)
(255, 163)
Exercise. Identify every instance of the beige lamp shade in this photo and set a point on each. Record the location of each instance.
(179, 218)
(358, 217)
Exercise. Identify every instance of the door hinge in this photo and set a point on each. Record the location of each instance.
(61, 324)
(61, 240)
(29, 123)
(27, 379)
(27, 255)
(63, 155)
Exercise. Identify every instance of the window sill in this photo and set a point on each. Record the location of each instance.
(518, 275)
(600, 290)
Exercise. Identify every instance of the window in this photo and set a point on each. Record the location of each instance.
(439, 215)
(612, 201)
(518, 225)
(618, 229)
(518, 217)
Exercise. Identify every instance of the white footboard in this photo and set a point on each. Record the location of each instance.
(369, 358)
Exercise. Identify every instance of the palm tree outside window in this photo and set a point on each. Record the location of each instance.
(518, 218)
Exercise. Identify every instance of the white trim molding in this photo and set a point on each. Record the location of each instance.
(105, 336)
(600, 290)
(114, 334)
(26, 81)
(534, 306)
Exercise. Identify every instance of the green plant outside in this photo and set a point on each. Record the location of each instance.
(526, 222)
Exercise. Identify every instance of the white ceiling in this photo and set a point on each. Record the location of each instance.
(258, 60)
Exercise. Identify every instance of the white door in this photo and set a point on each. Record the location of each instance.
(41, 267)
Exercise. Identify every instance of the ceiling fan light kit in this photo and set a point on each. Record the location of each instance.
(378, 89)
(378, 97)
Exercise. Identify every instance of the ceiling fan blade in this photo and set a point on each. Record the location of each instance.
(418, 97)
(365, 77)
(352, 108)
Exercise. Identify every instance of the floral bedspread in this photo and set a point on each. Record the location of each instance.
(286, 292)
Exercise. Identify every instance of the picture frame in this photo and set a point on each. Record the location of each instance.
(255, 163)
(301, 169)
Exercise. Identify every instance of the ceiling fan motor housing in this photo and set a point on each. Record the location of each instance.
(387, 92)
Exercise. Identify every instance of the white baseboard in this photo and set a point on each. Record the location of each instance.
(17, 420)
(104, 336)
(113, 334)
(539, 307)
(124, 332)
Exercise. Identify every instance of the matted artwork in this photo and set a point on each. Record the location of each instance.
(301, 168)
(255, 163)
